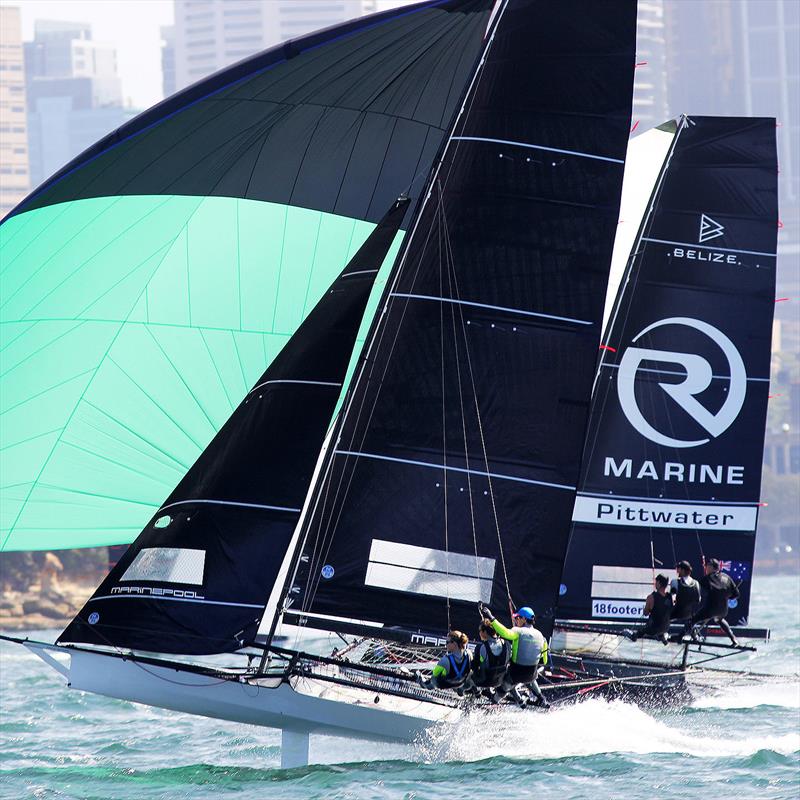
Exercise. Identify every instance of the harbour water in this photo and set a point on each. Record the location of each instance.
(743, 742)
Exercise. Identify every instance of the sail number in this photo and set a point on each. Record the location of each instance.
(628, 609)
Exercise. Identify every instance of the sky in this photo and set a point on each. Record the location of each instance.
(132, 26)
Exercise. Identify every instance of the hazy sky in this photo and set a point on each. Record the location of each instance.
(131, 25)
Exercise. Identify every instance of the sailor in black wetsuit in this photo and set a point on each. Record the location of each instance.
(685, 591)
(717, 588)
(489, 661)
(658, 606)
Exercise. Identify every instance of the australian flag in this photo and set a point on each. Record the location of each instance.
(738, 570)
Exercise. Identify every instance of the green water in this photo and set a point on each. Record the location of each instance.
(742, 743)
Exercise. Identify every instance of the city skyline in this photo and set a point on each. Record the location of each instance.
(134, 28)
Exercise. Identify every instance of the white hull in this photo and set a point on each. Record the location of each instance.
(302, 706)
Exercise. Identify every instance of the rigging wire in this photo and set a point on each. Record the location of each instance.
(477, 409)
(444, 410)
(461, 405)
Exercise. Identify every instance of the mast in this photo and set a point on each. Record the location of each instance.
(491, 321)
(672, 466)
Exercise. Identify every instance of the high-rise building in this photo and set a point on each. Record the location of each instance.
(73, 91)
(650, 106)
(740, 57)
(14, 177)
(211, 34)
(65, 51)
(168, 86)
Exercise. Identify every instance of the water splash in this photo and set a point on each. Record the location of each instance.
(783, 695)
(590, 728)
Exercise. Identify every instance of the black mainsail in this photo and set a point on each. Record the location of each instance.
(453, 473)
(197, 578)
(672, 467)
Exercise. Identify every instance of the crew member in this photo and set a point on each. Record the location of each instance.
(452, 670)
(528, 650)
(717, 588)
(489, 661)
(658, 607)
(685, 591)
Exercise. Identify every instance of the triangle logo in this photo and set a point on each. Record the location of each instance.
(709, 229)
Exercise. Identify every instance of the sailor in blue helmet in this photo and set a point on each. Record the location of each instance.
(528, 651)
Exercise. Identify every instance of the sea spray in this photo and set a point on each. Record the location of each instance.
(589, 728)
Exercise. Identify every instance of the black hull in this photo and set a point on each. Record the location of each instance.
(571, 679)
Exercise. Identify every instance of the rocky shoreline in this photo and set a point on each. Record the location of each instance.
(35, 609)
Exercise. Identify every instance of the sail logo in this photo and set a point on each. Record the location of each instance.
(709, 229)
(698, 378)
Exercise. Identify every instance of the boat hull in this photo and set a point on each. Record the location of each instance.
(302, 705)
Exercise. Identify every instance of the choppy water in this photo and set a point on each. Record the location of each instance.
(743, 743)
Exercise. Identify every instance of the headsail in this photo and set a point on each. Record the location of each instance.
(197, 578)
(673, 457)
(453, 474)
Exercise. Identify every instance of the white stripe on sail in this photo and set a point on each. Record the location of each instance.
(491, 307)
(539, 147)
(497, 475)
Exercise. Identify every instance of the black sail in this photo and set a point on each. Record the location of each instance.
(197, 578)
(340, 120)
(474, 394)
(672, 469)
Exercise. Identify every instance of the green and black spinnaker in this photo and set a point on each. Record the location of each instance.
(149, 283)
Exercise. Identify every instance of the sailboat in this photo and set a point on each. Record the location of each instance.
(672, 465)
(381, 499)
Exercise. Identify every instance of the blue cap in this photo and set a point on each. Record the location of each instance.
(525, 612)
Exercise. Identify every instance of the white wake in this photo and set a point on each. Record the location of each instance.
(589, 728)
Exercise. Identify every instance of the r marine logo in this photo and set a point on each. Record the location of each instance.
(698, 378)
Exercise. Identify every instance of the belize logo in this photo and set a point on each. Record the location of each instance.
(709, 229)
(698, 378)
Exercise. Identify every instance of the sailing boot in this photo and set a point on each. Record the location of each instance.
(518, 698)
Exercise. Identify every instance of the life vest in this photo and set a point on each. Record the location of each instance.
(458, 673)
(494, 666)
(660, 615)
(719, 588)
(530, 646)
(687, 598)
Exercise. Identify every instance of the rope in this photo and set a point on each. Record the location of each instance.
(461, 405)
(444, 413)
(478, 413)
